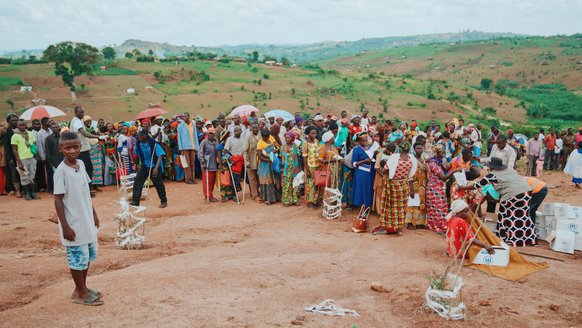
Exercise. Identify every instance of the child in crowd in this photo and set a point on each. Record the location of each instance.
(540, 165)
(78, 222)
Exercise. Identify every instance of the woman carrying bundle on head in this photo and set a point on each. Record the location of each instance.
(400, 169)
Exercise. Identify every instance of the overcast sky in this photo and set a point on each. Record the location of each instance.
(37, 23)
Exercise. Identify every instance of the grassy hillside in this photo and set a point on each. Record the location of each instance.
(533, 81)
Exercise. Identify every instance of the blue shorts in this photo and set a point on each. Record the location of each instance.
(79, 257)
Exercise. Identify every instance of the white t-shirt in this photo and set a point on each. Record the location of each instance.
(558, 146)
(76, 125)
(74, 185)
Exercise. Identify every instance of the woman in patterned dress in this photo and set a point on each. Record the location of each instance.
(514, 224)
(227, 191)
(399, 171)
(416, 215)
(436, 197)
(311, 163)
(267, 149)
(291, 154)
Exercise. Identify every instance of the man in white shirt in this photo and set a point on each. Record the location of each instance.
(78, 127)
(42, 165)
(559, 145)
(503, 151)
(364, 120)
(236, 123)
(235, 144)
(157, 130)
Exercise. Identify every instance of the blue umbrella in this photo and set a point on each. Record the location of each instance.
(280, 113)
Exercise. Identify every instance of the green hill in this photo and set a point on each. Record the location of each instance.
(522, 81)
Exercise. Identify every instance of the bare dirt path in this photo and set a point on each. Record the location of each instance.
(224, 265)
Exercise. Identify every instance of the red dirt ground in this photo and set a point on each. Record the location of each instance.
(258, 266)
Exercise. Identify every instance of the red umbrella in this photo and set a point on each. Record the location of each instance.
(151, 112)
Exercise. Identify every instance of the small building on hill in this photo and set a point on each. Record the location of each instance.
(270, 62)
(26, 89)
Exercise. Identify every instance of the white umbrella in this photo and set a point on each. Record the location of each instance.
(38, 112)
(243, 110)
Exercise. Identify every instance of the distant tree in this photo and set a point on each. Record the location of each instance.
(269, 58)
(255, 56)
(260, 82)
(486, 85)
(285, 61)
(108, 53)
(136, 52)
(128, 55)
(71, 60)
(151, 52)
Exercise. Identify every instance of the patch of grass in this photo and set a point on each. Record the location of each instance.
(115, 71)
(10, 80)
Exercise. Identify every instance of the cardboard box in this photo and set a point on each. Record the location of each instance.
(500, 258)
(541, 232)
(575, 212)
(564, 242)
(556, 209)
(540, 220)
(574, 226)
(549, 223)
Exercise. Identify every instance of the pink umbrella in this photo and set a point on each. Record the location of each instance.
(243, 110)
(38, 112)
(151, 112)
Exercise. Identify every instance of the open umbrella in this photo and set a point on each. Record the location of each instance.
(244, 110)
(151, 112)
(38, 112)
(280, 113)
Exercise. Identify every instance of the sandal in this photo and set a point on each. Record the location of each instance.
(91, 300)
(91, 291)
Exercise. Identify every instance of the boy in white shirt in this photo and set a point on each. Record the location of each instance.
(78, 222)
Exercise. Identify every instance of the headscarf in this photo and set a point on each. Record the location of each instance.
(457, 206)
(131, 129)
(174, 124)
(405, 146)
(359, 135)
(199, 118)
(298, 119)
(435, 159)
(143, 121)
(327, 136)
(290, 134)
(489, 189)
(87, 118)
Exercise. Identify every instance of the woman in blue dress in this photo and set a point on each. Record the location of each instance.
(364, 172)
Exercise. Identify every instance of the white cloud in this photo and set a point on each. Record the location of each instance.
(38, 23)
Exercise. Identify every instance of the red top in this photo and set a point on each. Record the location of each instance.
(402, 169)
(550, 142)
(355, 129)
(458, 231)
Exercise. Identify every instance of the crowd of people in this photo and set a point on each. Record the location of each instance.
(409, 175)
